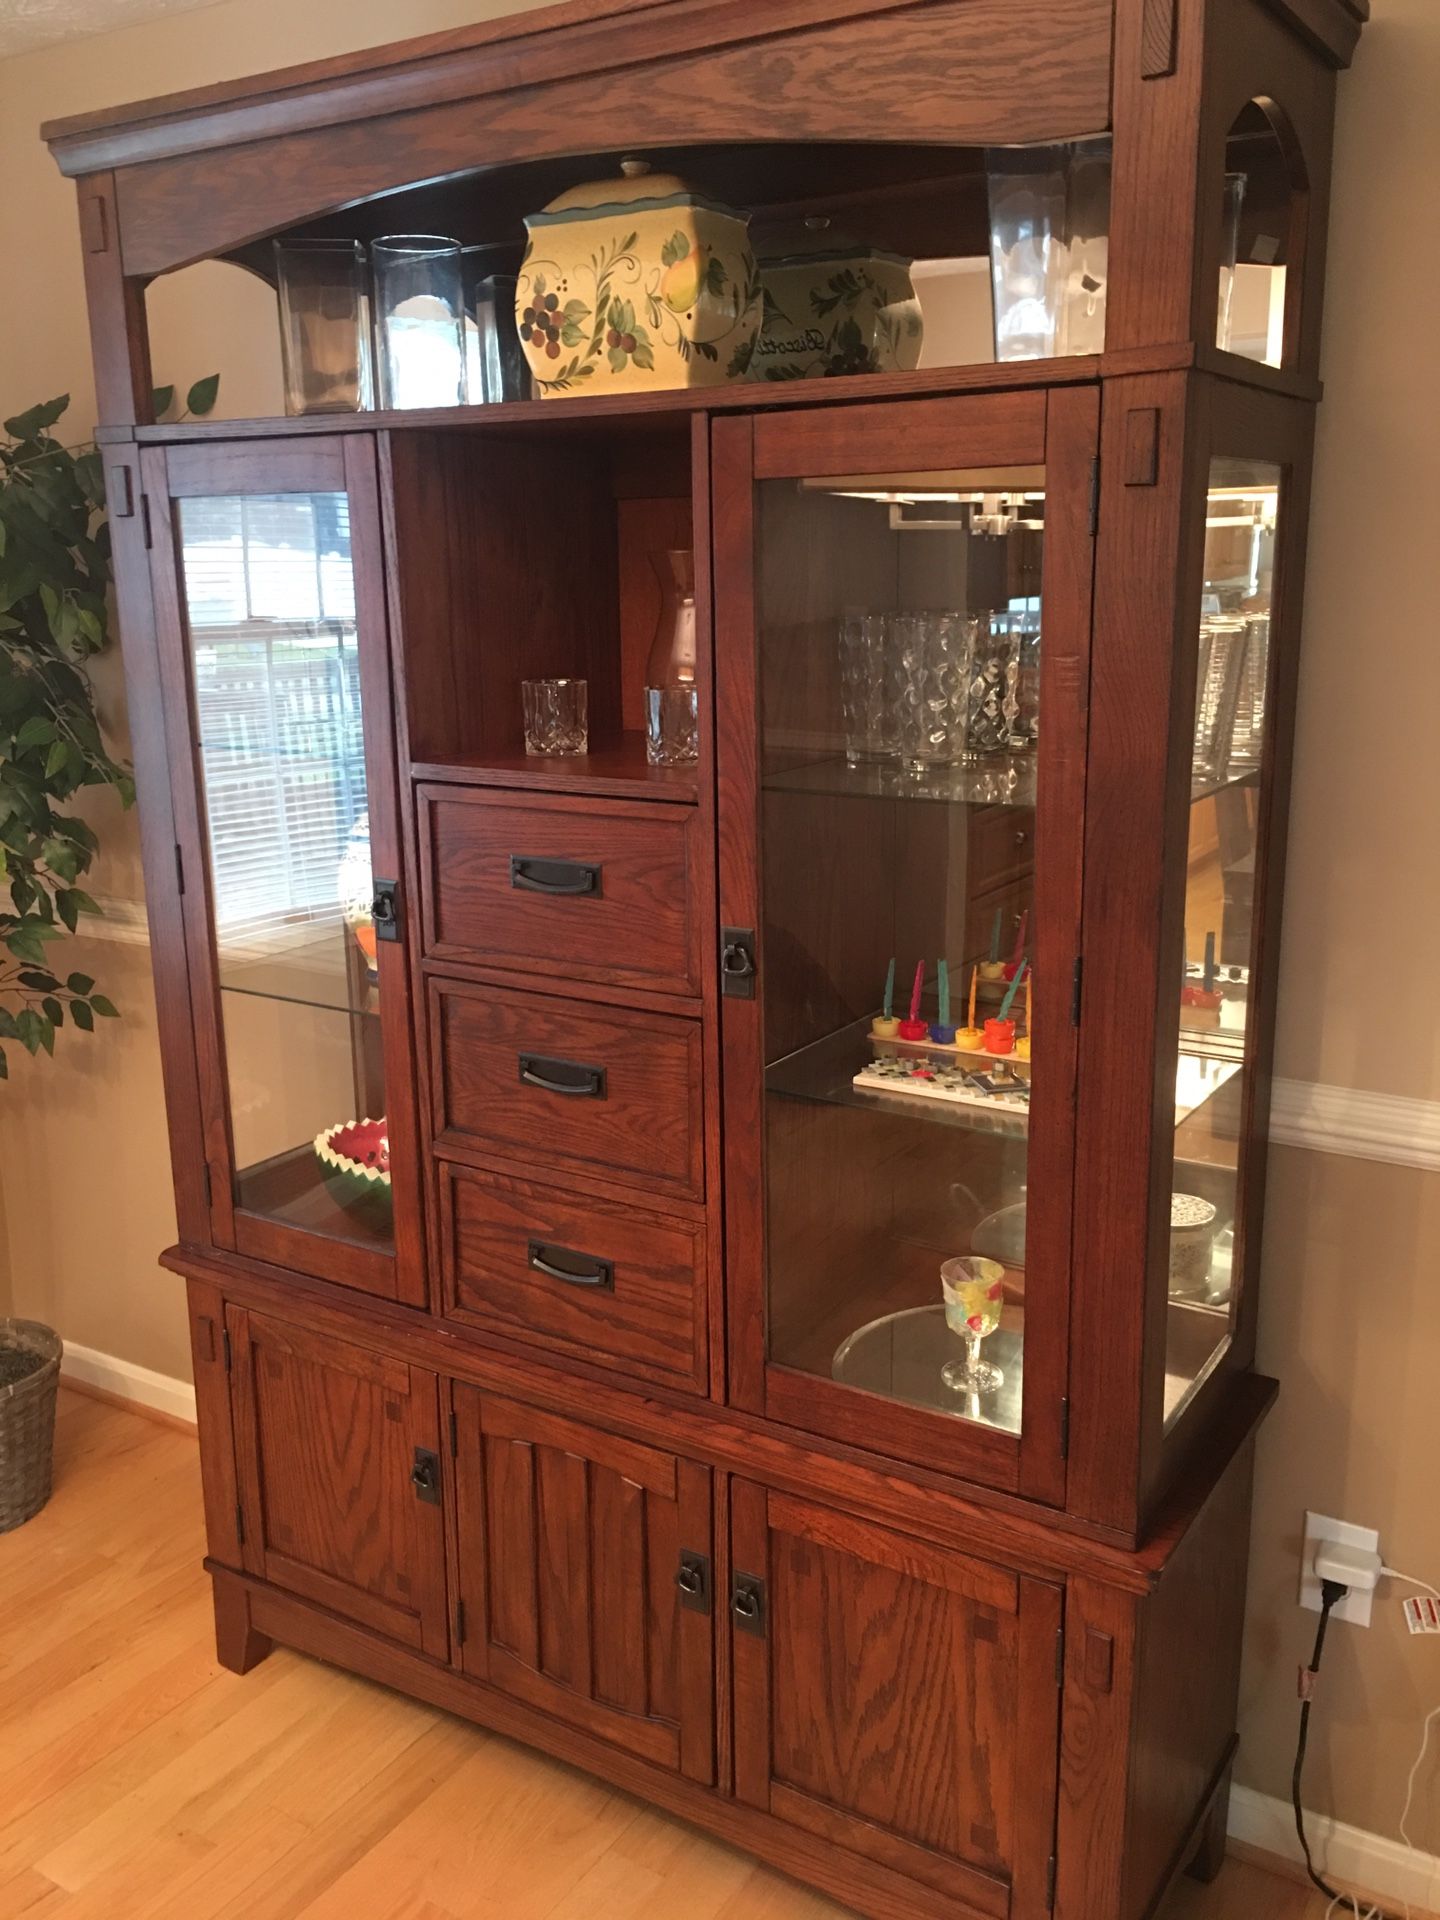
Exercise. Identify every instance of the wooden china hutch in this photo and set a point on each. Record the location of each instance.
(625, 1419)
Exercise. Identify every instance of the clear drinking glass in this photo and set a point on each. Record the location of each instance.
(994, 686)
(934, 652)
(555, 716)
(672, 726)
(1229, 255)
(1027, 225)
(1086, 269)
(420, 321)
(974, 1291)
(495, 366)
(324, 293)
(866, 644)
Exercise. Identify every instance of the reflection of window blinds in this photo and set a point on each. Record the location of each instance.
(271, 604)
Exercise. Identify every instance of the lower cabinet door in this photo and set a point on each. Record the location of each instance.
(897, 1699)
(339, 1465)
(584, 1570)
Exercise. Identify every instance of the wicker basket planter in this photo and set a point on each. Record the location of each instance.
(27, 1422)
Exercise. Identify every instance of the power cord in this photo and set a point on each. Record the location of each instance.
(1332, 1592)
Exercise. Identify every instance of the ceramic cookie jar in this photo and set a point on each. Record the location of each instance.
(637, 284)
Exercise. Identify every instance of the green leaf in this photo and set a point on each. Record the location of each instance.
(29, 1026)
(36, 732)
(53, 1010)
(675, 248)
(80, 1013)
(643, 357)
(25, 943)
(161, 400)
(54, 762)
(71, 902)
(38, 982)
(47, 1036)
(29, 425)
(60, 856)
(79, 983)
(4, 1065)
(104, 1007)
(8, 1029)
(201, 397)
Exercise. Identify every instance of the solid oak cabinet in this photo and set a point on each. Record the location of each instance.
(743, 1274)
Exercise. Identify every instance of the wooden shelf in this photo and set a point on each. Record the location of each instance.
(620, 772)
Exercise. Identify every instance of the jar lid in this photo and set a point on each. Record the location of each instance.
(1189, 1210)
(636, 190)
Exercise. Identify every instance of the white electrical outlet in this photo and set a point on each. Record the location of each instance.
(1355, 1607)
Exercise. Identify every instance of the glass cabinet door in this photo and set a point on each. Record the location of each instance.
(1216, 1000)
(903, 618)
(284, 657)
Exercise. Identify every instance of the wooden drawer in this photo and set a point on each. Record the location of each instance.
(1002, 846)
(560, 1084)
(633, 1291)
(602, 890)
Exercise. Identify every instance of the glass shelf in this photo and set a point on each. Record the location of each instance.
(1007, 782)
(901, 1356)
(822, 1074)
(313, 969)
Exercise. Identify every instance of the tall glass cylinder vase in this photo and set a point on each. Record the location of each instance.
(994, 686)
(324, 292)
(935, 652)
(866, 646)
(420, 321)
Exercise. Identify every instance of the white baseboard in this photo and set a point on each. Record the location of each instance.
(126, 1381)
(1347, 1856)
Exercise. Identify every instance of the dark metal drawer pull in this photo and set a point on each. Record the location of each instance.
(562, 1076)
(591, 1272)
(554, 876)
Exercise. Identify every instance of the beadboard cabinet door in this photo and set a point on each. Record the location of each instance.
(897, 1699)
(339, 1474)
(584, 1576)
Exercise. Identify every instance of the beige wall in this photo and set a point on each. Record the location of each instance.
(1352, 1315)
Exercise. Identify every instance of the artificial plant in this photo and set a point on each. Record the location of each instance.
(54, 579)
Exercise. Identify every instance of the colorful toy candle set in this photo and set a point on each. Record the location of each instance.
(927, 1058)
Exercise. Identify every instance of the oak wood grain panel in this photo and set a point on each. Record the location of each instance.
(1014, 70)
(568, 1545)
(1006, 429)
(218, 1479)
(1094, 1751)
(1141, 728)
(119, 334)
(1186, 1688)
(151, 715)
(639, 928)
(647, 1129)
(326, 1435)
(650, 1322)
(881, 1712)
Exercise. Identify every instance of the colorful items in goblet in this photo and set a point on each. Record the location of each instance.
(974, 1291)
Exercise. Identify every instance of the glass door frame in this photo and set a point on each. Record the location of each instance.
(1230, 422)
(1058, 427)
(334, 463)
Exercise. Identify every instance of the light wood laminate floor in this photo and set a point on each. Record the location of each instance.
(139, 1781)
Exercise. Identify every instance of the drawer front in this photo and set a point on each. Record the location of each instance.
(1002, 846)
(590, 890)
(557, 1083)
(584, 1277)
